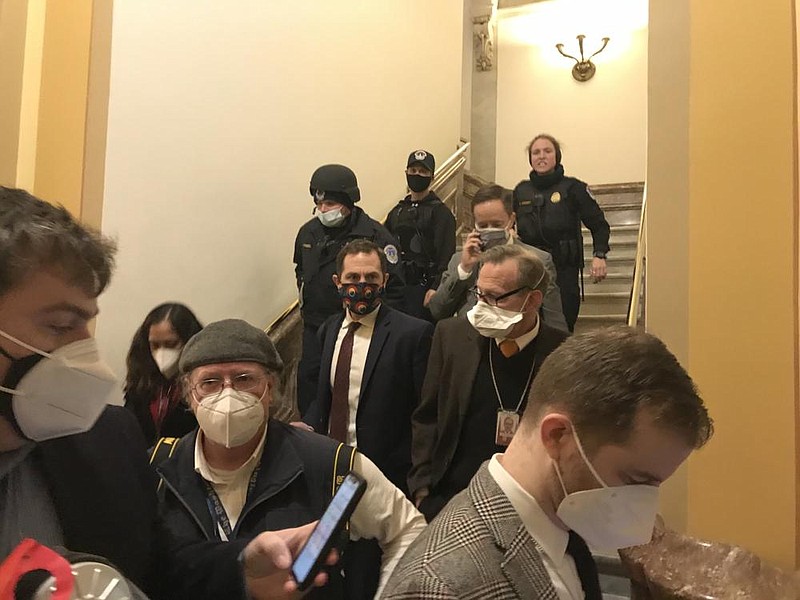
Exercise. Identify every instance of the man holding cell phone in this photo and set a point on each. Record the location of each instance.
(493, 214)
(241, 474)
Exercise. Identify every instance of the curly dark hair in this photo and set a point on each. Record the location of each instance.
(144, 377)
(36, 234)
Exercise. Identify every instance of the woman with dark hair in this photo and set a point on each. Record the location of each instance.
(152, 391)
(550, 208)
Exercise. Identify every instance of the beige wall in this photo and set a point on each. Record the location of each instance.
(601, 123)
(667, 281)
(735, 307)
(217, 121)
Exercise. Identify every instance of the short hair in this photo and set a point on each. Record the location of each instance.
(603, 378)
(532, 273)
(35, 234)
(492, 191)
(361, 246)
(549, 138)
(144, 377)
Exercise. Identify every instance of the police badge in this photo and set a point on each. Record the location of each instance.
(555, 198)
(391, 254)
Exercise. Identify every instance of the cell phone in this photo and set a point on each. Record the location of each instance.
(314, 552)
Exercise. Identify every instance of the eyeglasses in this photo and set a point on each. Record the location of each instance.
(493, 300)
(212, 386)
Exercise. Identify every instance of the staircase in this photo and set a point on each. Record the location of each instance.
(606, 303)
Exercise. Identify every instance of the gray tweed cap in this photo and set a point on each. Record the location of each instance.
(231, 340)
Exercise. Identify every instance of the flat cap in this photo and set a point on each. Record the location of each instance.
(231, 340)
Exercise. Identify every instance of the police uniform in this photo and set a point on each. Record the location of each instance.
(426, 232)
(315, 250)
(550, 209)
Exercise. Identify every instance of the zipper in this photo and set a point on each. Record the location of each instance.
(260, 501)
(186, 506)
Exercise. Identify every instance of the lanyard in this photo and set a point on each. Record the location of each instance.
(218, 511)
(497, 390)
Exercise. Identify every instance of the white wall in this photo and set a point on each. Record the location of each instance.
(600, 123)
(220, 111)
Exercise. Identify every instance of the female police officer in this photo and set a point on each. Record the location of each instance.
(550, 208)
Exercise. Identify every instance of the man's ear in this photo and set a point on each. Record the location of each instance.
(536, 299)
(555, 430)
(335, 278)
(385, 279)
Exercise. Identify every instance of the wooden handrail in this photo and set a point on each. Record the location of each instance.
(638, 267)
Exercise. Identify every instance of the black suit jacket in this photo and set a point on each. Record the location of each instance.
(390, 388)
(446, 394)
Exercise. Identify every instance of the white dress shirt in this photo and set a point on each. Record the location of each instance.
(383, 513)
(525, 338)
(553, 540)
(361, 340)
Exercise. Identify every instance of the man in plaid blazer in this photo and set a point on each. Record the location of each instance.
(610, 416)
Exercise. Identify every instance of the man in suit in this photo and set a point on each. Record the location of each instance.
(479, 373)
(367, 400)
(611, 415)
(372, 367)
(494, 218)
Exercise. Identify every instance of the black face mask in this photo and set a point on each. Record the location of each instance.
(418, 183)
(18, 369)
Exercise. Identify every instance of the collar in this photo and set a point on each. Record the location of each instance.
(220, 476)
(367, 321)
(542, 182)
(547, 534)
(525, 338)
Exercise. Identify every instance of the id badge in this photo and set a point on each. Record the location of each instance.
(507, 423)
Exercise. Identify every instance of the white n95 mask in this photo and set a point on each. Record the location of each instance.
(63, 393)
(609, 518)
(167, 360)
(230, 418)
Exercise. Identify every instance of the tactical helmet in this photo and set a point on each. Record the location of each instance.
(336, 182)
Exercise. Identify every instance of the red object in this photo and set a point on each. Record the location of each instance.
(29, 556)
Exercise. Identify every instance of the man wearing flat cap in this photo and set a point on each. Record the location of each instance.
(240, 474)
(334, 190)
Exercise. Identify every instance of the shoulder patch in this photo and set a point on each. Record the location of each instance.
(391, 254)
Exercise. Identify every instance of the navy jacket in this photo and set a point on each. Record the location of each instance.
(293, 487)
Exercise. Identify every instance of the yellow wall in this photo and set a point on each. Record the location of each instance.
(741, 283)
(13, 17)
(62, 104)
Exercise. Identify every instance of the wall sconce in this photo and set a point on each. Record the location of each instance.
(584, 68)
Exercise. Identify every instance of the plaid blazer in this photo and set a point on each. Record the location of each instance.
(476, 548)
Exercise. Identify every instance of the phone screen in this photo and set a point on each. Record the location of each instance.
(320, 541)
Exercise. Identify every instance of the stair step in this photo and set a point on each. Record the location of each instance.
(620, 283)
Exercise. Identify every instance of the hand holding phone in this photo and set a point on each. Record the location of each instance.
(312, 556)
(267, 560)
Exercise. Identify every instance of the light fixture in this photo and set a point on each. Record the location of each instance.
(584, 68)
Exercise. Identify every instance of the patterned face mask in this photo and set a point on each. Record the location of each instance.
(361, 298)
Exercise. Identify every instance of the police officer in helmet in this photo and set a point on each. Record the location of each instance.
(334, 190)
(426, 231)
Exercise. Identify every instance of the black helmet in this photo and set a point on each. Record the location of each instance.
(335, 182)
